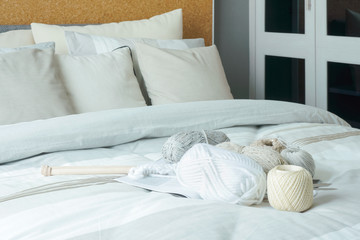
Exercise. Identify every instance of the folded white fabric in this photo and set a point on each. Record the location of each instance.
(173, 76)
(100, 82)
(85, 44)
(164, 26)
(218, 174)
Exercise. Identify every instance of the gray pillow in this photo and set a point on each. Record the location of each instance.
(30, 88)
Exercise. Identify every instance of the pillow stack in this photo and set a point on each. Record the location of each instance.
(84, 44)
(100, 67)
(168, 71)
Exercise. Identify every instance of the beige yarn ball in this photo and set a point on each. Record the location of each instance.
(230, 146)
(265, 156)
(290, 188)
(274, 143)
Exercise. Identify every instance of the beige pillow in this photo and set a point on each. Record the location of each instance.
(16, 38)
(164, 26)
(173, 76)
(100, 82)
(30, 88)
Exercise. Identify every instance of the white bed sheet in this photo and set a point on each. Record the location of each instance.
(96, 207)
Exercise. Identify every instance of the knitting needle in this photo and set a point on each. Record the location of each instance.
(325, 188)
(317, 185)
(84, 170)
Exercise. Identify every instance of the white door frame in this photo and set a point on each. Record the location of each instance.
(330, 49)
(280, 44)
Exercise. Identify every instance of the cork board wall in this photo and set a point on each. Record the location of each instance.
(197, 14)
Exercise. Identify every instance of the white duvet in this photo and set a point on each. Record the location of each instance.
(97, 207)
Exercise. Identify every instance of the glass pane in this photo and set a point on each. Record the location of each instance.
(343, 18)
(285, 16)
(285, 79)
(344, 91)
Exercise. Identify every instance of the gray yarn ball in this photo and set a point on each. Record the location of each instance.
(176, 146)
(299, 157)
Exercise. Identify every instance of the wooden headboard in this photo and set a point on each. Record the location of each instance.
(197, 14)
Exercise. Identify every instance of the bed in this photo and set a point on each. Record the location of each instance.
(92, 112)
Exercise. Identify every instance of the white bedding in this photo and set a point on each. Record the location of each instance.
(96, 207)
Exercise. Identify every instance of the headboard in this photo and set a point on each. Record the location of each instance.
(197, 14)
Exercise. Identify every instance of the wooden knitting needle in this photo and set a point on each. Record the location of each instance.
(84, 170)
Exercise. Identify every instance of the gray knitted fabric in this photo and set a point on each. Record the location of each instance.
(176, 146)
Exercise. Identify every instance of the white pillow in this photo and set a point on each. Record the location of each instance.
(100, 82)
(85, 44)
(16, 38)
(173, 76)
(164, 26)
(30, 88)
(44, 45)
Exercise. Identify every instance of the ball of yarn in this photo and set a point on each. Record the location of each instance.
(265, 156)
(299, 157)
(175, 147)
(290, 188)
(231, 146)
(218, 174)
(274, 143)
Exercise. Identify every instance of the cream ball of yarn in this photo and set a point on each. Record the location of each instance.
(299, 157)
(176, 145)
(231, 146)
(274, 143)
(290, 188)
(218, 174)
(265, 156)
